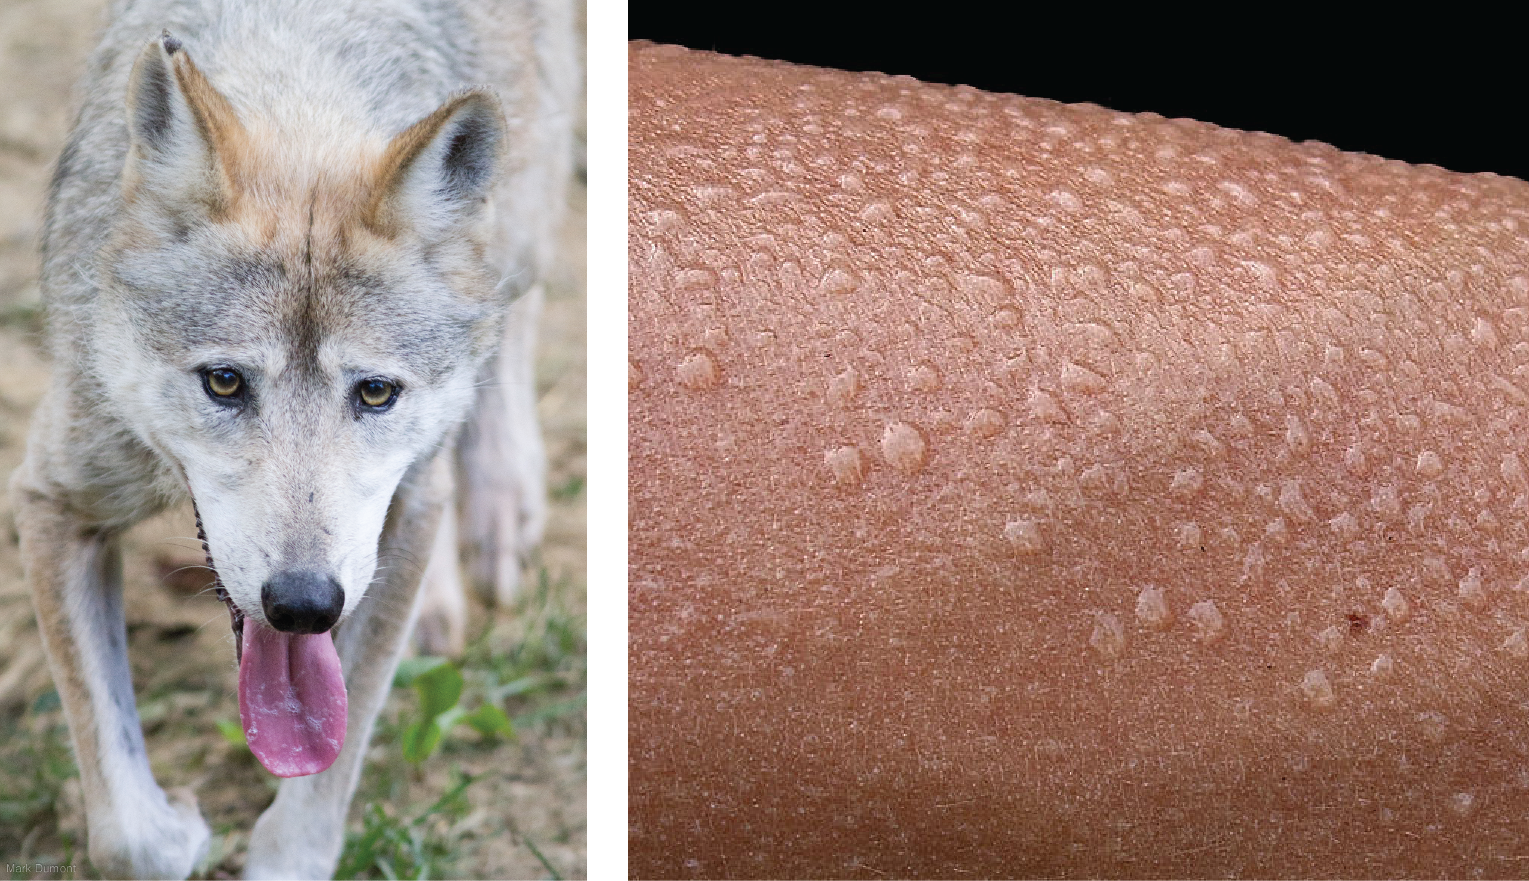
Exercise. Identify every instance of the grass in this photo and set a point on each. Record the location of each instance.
(25, 317)
(390, 847)
(534, 669)
(411, 818)
(545, 668)
(35, 763)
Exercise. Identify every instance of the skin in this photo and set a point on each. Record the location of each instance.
(1023, 489)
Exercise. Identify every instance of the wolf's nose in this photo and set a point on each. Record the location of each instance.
(300, 601)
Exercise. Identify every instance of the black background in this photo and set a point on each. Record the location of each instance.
(1450, 91)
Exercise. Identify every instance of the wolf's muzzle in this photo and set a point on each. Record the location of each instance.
(302, 601)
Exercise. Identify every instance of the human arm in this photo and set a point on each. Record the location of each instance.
(1025, 489)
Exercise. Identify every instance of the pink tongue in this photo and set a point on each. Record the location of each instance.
(291, 700)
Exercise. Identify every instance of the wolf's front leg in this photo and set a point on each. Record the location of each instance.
(501, 507)
(301, 834)
(502, 464)
(76, 577)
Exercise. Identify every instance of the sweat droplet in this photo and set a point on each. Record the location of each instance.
(1006, 318)
(1345, 526)
(988, 289)
(984, 423)
(1435, 726)
(1429, 465)
(1080, 380)
(923, 378)
(1483, 334)
(1386, 502)
(1190, 536)
(1292, 502)
(1417, 517)
(1383, 667)
(1109, 636)
(1152, 609)
(1472, 593)
(903, 447)
(698, 371)
(1208, 444)
(1517, 644)
(1025, 536)
(1044, 406)
(1065, 200)
(843, 388)
(1187, 482)
(836, 281)
(1295, 434)
(1318, 691)
(1462, 803)
(1396, 606)
(847, 465)
(691, 279)
(1513, 471)
(714, 337)
(1435, 569)
(1208, 623)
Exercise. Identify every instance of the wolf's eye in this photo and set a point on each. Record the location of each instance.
(376, 394)
(223, 383)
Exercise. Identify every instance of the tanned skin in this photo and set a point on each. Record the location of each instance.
(1023, 489)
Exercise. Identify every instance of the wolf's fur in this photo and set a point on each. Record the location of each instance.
(313, 192)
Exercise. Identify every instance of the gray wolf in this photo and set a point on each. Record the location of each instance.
(290, 260)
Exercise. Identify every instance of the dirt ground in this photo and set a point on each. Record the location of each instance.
(524, 814)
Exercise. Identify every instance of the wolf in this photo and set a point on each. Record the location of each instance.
(290, 262)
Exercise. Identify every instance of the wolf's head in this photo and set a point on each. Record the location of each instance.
(294, 311)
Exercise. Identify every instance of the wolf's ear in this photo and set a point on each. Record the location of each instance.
(438, 172)
(184, 137)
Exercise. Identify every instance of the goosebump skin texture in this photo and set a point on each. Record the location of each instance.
(1022, 489)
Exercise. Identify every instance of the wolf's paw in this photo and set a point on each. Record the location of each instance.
(148, 840)
(442, 625)
(504, 530)
(297, 836)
